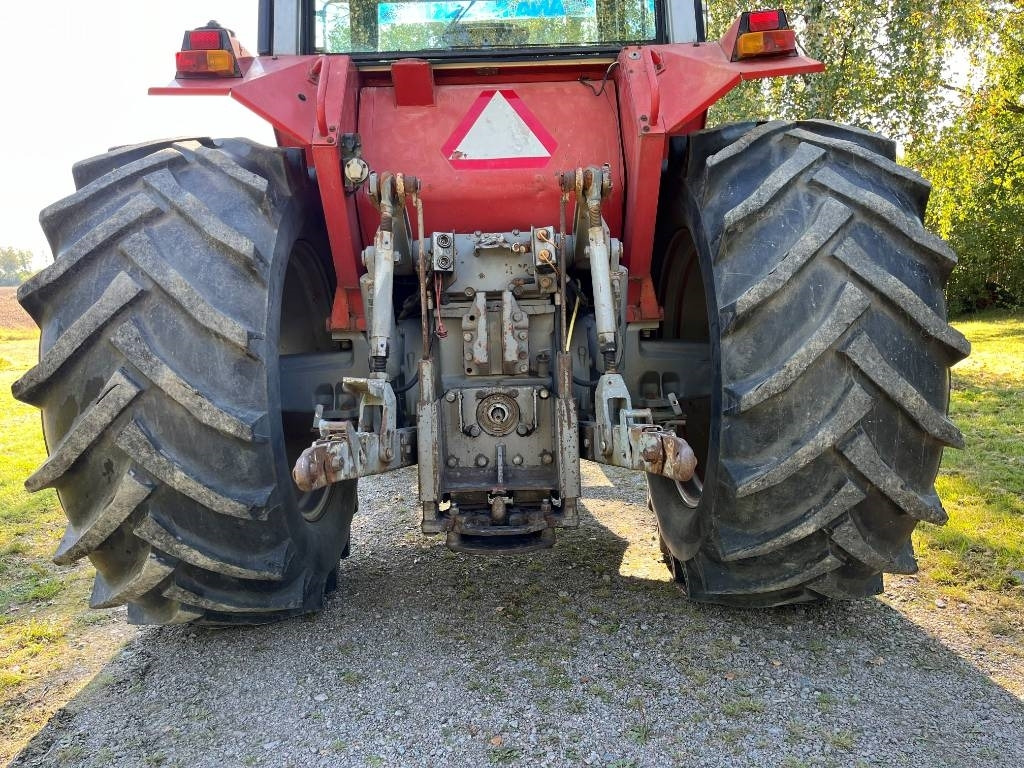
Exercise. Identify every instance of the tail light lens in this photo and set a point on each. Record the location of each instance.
(207, 39)
(210, 51)
(763, 33)
(218, 63)
(782, 41)
(765, 21)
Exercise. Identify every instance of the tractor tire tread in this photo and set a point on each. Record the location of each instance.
(829, 292)
(167, 530)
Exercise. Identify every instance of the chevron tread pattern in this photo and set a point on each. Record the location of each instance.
(80, 540)
(146, 574)
(869, 360)
(142, 251)
(815, 402)
(828, 222)
(903, 298)
(97, 417)
(887, 212)
(777, 181)
(164, 538)
(111, 183)
(135, 442)
(147, 529)
(850, 305)
(197, 213)
(129, 339)
(131, 214)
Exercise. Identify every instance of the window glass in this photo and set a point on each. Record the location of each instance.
(366, 26)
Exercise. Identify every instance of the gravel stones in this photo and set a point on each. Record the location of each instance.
(582, 655)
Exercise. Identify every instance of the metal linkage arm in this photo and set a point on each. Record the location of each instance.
(346, 450)
(627, 437)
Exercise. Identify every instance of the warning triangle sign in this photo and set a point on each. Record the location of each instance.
(499, 131)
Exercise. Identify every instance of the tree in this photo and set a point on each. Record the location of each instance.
(977, 166)
(885, 63)
(15, 265)
(888, 69)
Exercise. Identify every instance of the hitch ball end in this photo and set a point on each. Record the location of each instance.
(310, 471)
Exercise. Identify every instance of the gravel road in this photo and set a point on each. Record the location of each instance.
(584, 655)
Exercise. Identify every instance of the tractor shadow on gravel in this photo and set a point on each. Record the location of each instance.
(586, 654)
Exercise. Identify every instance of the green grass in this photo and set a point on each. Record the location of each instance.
(41, 604)
(982, 486)
(30, 525)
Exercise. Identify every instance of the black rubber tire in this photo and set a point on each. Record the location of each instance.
(161, 327)
(825, 319)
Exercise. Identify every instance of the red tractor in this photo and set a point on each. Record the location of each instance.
(494, 239)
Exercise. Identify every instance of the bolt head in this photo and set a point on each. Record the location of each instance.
(544, 394)
(522, 430)
(452, 461)
(467, 336)
(481, 460)
(450, 397)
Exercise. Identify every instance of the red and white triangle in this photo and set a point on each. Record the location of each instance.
(499, 131)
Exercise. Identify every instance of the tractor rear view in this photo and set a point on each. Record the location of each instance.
(494, 239)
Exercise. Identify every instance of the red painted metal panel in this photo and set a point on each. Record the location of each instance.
(414, 83)
(337, 92)
(418, 141)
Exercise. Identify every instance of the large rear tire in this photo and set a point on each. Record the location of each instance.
(825, 320)
(183, 270)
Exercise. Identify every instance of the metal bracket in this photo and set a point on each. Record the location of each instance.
(627, 437)
(592, 186)
(475, 339)
(515, 336)
(347, 450)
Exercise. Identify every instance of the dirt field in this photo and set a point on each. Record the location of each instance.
(12, 316)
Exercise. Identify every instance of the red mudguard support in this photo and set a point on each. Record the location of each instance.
(666, 90)
(299, 96)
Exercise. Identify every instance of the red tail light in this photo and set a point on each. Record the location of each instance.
(210, 51)
(765, 21)
(207, 39)
(763, 33)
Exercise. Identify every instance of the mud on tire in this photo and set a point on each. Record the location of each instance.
(161, 328)
(825, 321)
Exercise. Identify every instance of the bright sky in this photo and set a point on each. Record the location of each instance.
(73, 77)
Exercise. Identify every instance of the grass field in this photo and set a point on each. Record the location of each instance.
(981, 549)
(51, 644)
